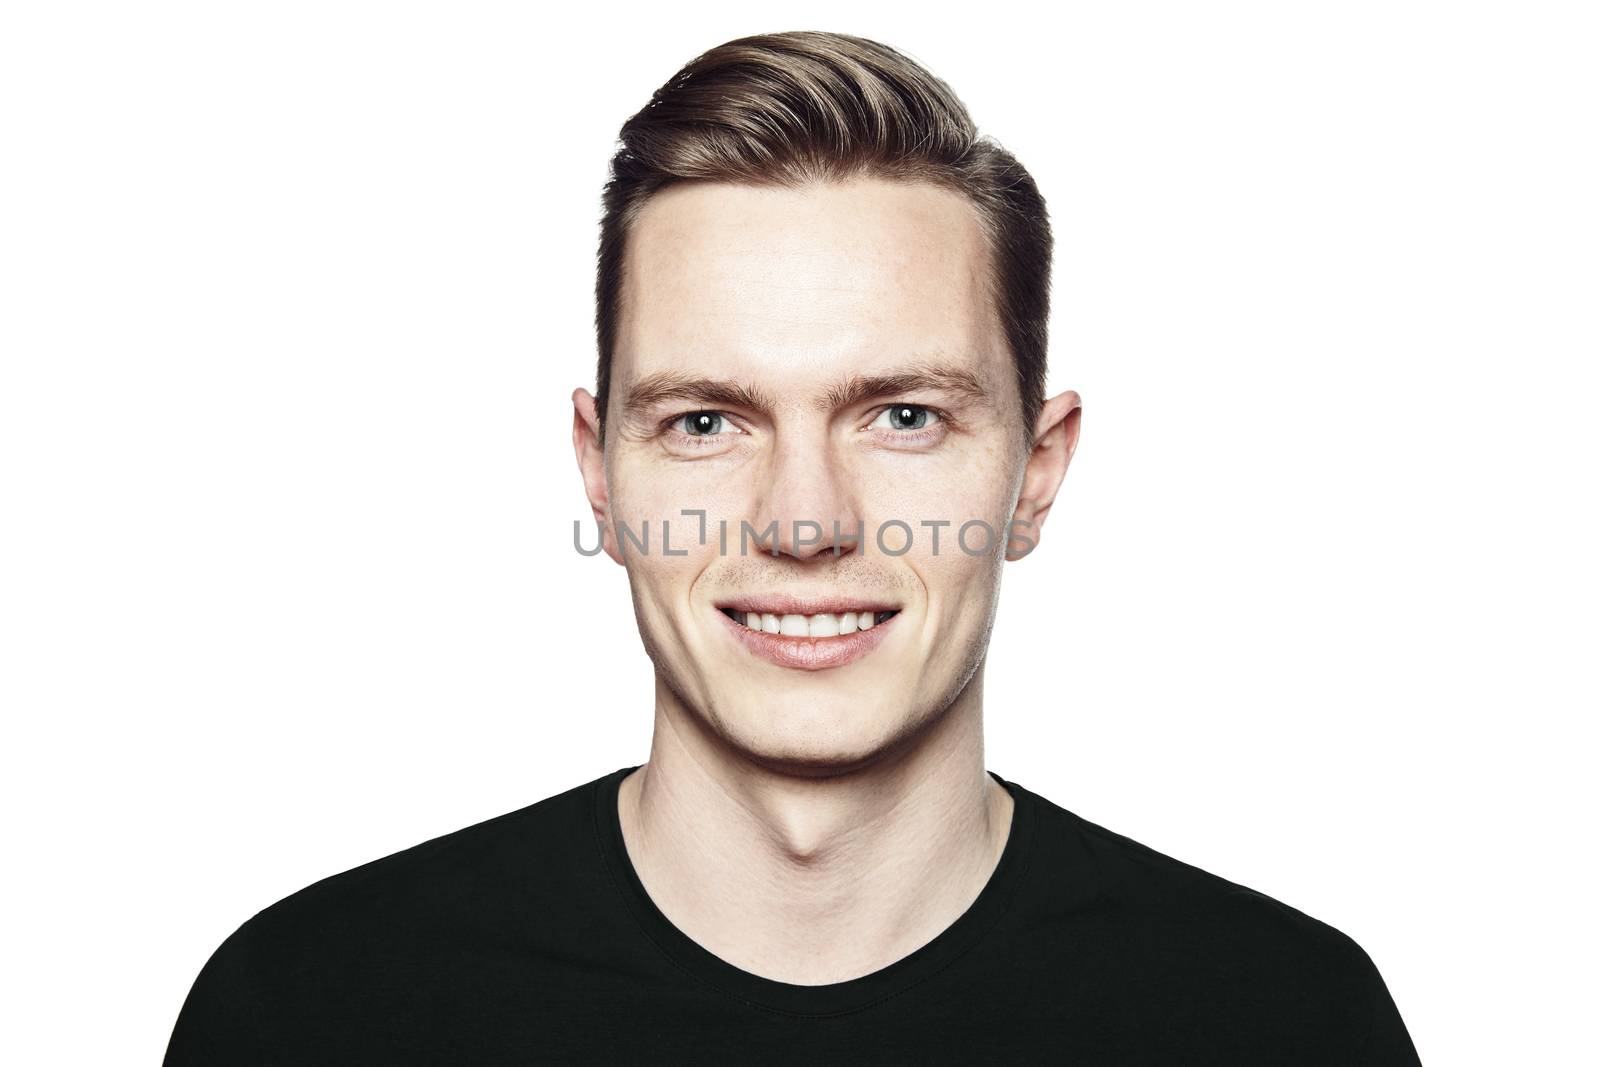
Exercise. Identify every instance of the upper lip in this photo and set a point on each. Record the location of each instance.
(790, 604)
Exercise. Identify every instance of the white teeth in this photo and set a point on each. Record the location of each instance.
(824, 625)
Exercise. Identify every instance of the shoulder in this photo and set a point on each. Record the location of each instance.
(1151, 891)
(392, 925)
(462, 876)
(1212, 962)
(1208, 956)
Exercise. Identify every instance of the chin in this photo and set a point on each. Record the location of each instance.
(806, 734)
(797, 733)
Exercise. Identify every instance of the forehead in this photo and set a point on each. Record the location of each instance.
(787, 285)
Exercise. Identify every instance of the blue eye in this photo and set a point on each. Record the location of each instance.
(702, 423)
(906, 417)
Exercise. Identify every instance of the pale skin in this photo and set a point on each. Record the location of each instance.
(814, 826)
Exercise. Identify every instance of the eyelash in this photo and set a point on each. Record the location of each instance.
(944, 422)
(698, 440)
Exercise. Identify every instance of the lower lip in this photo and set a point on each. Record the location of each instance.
(809, 653)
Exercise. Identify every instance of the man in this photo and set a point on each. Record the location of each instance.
(818, 436)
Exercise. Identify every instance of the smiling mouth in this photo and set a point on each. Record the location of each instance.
(790, 632)
(821, 624)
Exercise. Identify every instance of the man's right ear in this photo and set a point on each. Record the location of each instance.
(592, 465)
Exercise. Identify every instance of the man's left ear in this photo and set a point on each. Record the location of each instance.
(1055, 439)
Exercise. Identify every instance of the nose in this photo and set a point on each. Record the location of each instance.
(812, 498)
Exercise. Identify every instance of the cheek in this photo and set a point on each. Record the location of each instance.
(666, 491)
(638, 495)
(956, 492)
(663, 594)
(961, 581)
(652, 508)
(962, 572)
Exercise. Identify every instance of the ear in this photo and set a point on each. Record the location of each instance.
(1055, 439)
(592, 465)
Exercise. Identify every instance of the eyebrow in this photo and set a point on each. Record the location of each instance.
(665, 386)
(921, 377)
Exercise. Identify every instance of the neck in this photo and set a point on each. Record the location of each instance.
(812, 879)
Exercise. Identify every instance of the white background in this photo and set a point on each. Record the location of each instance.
(294, 296)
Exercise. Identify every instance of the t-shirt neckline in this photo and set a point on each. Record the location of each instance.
(837, 998)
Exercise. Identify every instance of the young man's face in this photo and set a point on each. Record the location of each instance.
(827, 356)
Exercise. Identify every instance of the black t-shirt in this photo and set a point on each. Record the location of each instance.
(529, 939)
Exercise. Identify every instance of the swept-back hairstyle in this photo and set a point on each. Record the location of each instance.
(787, 109)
